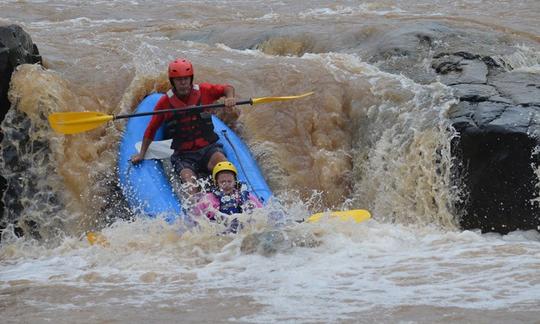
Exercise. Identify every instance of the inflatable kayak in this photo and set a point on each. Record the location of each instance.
(146, 185)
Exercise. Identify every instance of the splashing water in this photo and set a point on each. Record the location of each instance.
(366, 139)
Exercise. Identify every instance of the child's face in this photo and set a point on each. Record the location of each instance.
(226, 181)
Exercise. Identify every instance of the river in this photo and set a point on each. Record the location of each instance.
(368, 138)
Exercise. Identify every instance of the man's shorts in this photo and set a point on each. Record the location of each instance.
(197, 161)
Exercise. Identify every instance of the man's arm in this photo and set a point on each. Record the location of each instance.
(150, 131)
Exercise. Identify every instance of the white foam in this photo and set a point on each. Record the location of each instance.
(346, 11)
(356, 267)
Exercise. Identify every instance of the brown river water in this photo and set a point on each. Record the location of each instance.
(366, 139)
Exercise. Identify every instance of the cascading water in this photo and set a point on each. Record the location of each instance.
(370, 137)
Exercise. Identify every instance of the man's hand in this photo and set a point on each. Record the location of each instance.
(230, 104)
(137, 158)
(230, 100)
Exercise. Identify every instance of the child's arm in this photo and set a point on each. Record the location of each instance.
(255, 200)
(252, 203)
(208, 206)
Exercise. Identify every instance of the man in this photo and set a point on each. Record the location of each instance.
(194, 141)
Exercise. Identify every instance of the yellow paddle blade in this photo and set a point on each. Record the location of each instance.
(357, 215)
(77, 122)
(272, 99)
(96, 238)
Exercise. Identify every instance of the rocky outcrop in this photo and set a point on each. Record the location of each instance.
(497, 119)
(16, 47)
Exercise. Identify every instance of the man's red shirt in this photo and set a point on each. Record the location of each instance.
(204, 93)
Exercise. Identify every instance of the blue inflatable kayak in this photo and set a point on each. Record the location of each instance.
(146, 186)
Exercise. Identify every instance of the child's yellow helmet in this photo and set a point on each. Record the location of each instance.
(223, 166)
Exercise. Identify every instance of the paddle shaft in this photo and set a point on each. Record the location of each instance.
(182, 110)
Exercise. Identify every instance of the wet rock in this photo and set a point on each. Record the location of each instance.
(270, 242)
(522, 88)
(498, 123)
(30, 202)
(266, 243)
(401, 51)
(16, 47)
(498, 181)
(485, 112)
(497, 119)
(474, 92)
(462, 71)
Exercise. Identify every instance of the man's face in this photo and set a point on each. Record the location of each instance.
(226, 181)
(182, 86)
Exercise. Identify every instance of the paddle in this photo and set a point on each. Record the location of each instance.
(78, 122)
(96, 238)
(356, 215)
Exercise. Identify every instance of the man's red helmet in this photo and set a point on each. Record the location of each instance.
(180, 68)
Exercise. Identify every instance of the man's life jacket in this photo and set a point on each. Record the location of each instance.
(192, 129)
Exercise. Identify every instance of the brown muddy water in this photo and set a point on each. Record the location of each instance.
(366, 139)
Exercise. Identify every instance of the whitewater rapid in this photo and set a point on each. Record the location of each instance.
(368, 138)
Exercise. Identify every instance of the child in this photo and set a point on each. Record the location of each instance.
(228, 197)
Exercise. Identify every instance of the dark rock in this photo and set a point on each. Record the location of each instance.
(266, 243)
(462, 116)
(16, 47)
(514, 119)
(458, 71)
(474, 92)
(500, 99)
(497, 174)
(521, 87)
(498, 135)
(496, 150)
(270, 242)
(413, 41)
(493, 117)
(403, 50)
(25, 160)
(497, 118)
(485, 112)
